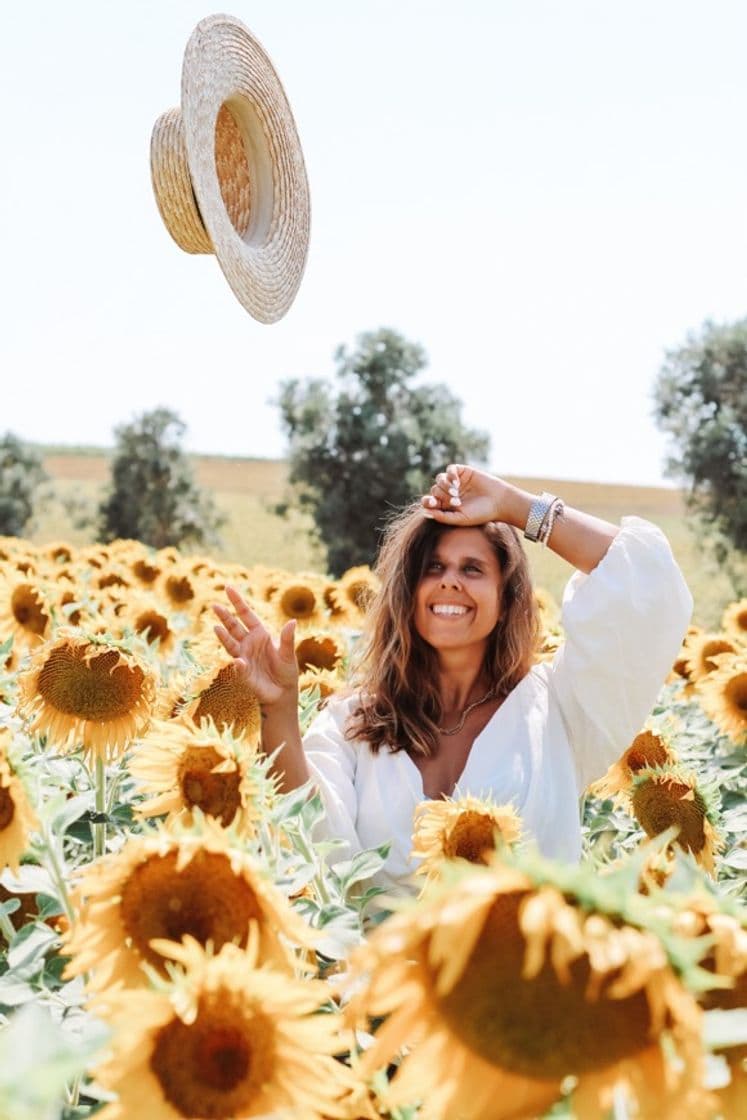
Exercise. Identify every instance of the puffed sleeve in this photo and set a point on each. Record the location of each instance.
(331, 760)
(624, 623)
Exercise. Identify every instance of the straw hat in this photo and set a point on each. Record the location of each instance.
(228, 170)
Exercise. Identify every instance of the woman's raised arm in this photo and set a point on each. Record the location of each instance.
(464, 496)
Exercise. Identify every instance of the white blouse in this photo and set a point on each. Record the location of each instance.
(558, 730)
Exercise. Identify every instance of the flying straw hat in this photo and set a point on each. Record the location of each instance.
(228, 171)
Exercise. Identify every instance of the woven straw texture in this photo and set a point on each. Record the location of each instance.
(228, 171)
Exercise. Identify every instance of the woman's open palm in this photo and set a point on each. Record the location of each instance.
(271, 669)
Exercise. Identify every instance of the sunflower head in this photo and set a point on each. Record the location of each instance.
(356, 589)
(518, 974)
(669, 796)
(185, 768)
(224, 1038)
(734, 620)
(723, 695)
(701, 649)
(221, 694)
(17, 817)
(24, 612)
(182, 880)
(299, 597)
(325, 680)
(723, 925)
(467, 828)
(648, 749)
(86, 689)
(320, 650)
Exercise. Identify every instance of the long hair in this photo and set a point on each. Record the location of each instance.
(400, 705)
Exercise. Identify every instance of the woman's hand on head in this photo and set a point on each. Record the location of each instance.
(271, 669)
(463, 496)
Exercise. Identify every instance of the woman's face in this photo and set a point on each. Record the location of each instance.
(458, 598)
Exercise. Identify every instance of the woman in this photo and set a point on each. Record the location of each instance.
(449, 697)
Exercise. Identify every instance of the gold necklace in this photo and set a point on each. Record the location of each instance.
(475, 704)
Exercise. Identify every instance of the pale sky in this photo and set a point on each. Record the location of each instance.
(547, 194)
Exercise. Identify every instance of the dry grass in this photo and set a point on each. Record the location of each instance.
(246, 489)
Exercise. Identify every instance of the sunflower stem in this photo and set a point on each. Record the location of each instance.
(73, 1093)
(99, 829)
(7, 927)
(55, 871)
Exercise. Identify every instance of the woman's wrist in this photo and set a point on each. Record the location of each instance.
(513, 504)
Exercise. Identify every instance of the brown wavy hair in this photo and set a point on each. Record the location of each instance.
(400, 706)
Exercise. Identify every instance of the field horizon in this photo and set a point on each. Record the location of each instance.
(246, 489)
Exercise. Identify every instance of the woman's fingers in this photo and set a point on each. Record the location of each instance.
(287, 642)
(228, 642)
(243, 610)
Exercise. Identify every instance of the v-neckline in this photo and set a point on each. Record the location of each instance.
(419, 777)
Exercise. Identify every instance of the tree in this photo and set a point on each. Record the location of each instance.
(360, 451)
(701, 401)
(153, 496)
(21, 473)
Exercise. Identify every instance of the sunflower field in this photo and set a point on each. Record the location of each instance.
(174, 944)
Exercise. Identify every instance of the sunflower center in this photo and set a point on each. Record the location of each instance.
(319, 653)
(206, 899)
(229, 700)
(472, 837)
(361, 594)
(145, 572)
(647, 750)
(216, 794)
(7, 808)
(179, 589)
(538, 1028)
(216, 1066)
(736, 693)
(298, 602)
(153, 626)
(27, 610)
(712, 649)
(96, 689)
(658, 805)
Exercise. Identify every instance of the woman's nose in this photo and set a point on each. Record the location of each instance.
(450, 578)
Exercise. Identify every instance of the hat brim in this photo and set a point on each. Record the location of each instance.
(264, 258)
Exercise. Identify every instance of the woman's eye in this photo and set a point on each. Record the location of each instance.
(472, 568)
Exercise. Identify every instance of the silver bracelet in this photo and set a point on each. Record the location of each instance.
(538, 511)
(548, 522)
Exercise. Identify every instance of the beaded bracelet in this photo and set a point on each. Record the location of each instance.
(548, 521)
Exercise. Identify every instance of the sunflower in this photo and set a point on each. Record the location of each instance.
(222, 694)
(355, 591)
(734, 620)
(225, 1038)
(700, 650)
(507, 980)
(188, 768)
(648, 749)
(146, 571)
(87, 689)
(170, 883)
(321, 649)
(461, 828)
(181, 589)
(724, 696)
(679, 673)
(24, 613)
(58, 552)
(325, 680)
(17, 818)
(147, 616)
(547, 608)
(298, 596)
(666, 796)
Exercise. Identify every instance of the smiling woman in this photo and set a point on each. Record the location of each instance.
(449, 693)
